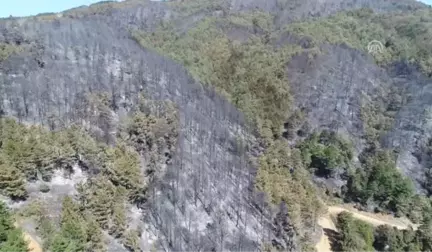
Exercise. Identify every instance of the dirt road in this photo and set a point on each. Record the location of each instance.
(326, 222)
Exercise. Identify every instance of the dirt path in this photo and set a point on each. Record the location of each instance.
(324, 244)
(326, 222)
(33, 246)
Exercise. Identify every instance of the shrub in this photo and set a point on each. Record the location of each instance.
(44, 188)
(380, 181)
(326, 152)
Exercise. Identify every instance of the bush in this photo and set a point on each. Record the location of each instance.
(326, 152)
(44, 188)
(355, 235)
(283, 178)
(7, 50)
(380, 181)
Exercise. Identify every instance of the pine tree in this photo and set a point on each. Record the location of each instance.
(124, 168)
(5, 222)
(118, 225)
(15, 242)
(131, 241)
(95, 240)
(12, 182)
(100, 201)
(73, 229)
(11, 238)
(61, 243)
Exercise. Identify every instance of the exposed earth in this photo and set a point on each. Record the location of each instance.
(328, 225)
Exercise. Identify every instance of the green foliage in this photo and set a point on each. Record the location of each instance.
(7, 50)
(100, 196)
(77, 231)
(378, 115)
(392, 239)
(425, 235)
(119, 220)
(380, 181)
(420, 208)
(190, 7)
(427, 149)
(283, 178)
(325, 152)
(404, 35)
(72, 223)
(355, 235)
(146, 132)
(99, 8)
(15, 242)
(11, 238)
(44, 188)
(256, 21)
(251, 75)
(131, 241)
(123, 169)
(35, 153)
(12, 181)
(6, 222)
(95, 241)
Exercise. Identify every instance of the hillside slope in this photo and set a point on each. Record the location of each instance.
(203, 202)
(255, 84)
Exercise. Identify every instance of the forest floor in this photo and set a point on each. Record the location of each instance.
(376, 219)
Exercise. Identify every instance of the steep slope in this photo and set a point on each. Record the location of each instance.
(204, 202)
(206, 199)
(333, 87)
(369, 99)
(411, 131)
(290, 11)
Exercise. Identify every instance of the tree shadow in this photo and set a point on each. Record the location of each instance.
(334, 238)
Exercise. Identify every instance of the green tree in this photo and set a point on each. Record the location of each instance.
(12, 182)
(381, 182)
(61, 243)
(99, 199)
(6, 223)
(15, 242)
(73, 235)
(425, 235)
(95, 240)
(325, 152)
(355, 235)
(123, 169)
(118, 225)
(11, 238)
(131, 241)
